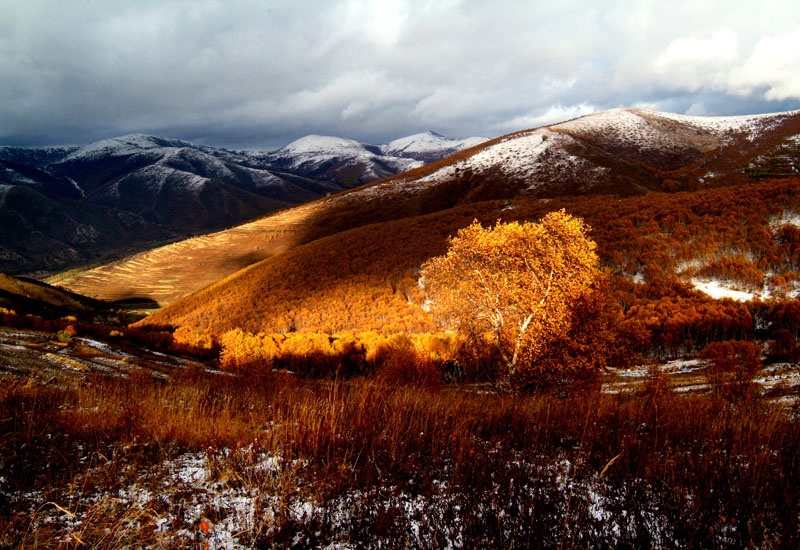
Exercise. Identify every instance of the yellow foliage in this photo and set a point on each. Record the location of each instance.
(189, 336)
(518, 281)
(324, 354)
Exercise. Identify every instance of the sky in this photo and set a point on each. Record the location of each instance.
(257, 74)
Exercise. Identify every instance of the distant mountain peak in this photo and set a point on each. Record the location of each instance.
(425, 145)
(315, 143)
(124, 145)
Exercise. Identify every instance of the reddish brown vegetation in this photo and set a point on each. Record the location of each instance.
(365, 279)
(495, 471)
(731, 367)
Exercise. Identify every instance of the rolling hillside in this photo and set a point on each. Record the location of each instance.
(742, 238)
(623, 151)
(34, 297)
(163, 275)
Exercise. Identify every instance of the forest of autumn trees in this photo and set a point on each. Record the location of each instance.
(367, 279)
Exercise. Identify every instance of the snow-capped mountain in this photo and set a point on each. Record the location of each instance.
(428, 146)
(350, 163)
(174, 187)
(621, 151)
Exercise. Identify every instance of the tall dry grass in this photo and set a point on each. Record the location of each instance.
(408, 465)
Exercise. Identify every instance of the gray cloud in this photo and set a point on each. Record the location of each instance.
(251, 73)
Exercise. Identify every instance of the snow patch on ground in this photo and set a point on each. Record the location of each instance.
(718, 290)
(787, 217)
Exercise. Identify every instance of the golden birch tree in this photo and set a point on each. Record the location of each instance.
(516, 281)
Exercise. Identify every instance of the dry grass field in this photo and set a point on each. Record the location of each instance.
(104, 447)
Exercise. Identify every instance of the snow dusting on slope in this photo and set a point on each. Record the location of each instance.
(125, 145)
(315, 152)
(544, 156)
(533, 157)
(752, 125)
(624, 127)
(322, 145)
(428, 142)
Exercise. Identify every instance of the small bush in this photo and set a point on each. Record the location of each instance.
(730, 368)
(783, 346)
(400, 362)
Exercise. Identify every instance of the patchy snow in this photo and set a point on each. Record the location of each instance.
(752, 125)
(182, 158)
(315, 151)
(682, 366)
(522, 157)
(76, 186)
(692, 388)
(322, 145)
(717, 290)
(15, 178)
(105, 348)
(515, 154)
(655, 130)
(787, 217)
(625, 127)
(542, 156)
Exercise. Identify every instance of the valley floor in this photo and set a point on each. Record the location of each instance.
(107, 447)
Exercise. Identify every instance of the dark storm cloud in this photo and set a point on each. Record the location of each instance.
(258, 74)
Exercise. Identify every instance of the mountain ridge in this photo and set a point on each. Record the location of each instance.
(453, 182)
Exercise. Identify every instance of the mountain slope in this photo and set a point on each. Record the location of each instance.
(34, 297)
(367, 278)
(70, 206)
(624, 151)
(39, 230)
(175, 183)
(170, 272)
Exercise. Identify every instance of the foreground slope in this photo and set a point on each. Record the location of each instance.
(623, 151)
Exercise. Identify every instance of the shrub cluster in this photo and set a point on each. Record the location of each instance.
(419, 358)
